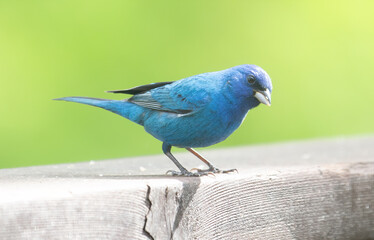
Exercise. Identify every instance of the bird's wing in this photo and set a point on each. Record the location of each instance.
(141, 89)
(182, 97)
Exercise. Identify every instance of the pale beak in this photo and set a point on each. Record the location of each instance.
(264, 97)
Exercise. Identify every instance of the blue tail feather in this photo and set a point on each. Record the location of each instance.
(107, 104)
(111, 105)
(97, 102)
(121, 107)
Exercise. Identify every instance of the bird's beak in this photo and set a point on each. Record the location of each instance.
(264, 97)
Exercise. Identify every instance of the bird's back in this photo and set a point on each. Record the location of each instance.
(213, 112)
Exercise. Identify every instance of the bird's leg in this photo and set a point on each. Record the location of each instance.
(204, 160)
(166, 148)
(211, 168)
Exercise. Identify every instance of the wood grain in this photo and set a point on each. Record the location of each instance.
(322, 189)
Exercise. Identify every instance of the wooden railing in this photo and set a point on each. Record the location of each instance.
(320, 189)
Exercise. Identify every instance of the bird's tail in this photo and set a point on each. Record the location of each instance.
(124, 108)
(115, 106)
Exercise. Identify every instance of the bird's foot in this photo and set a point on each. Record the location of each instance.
(187, 173)
(213, 170)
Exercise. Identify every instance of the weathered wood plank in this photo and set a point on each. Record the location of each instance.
(321, 189)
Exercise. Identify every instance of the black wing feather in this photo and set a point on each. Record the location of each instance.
(141, 89)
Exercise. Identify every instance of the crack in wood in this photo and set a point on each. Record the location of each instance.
(148, 203)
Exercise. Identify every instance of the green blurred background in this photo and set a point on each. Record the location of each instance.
(319, 54)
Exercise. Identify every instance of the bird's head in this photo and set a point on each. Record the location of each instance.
(255, 82)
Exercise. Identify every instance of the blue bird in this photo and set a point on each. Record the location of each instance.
(193, 112)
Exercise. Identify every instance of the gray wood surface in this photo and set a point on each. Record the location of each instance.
(320, 189)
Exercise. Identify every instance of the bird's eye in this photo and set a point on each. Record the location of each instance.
(251, 79)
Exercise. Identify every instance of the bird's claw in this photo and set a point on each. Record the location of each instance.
(230, 170)
(187, 173)
(214, 170)
(196, 172)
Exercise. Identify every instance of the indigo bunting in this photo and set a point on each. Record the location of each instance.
(193, 112)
